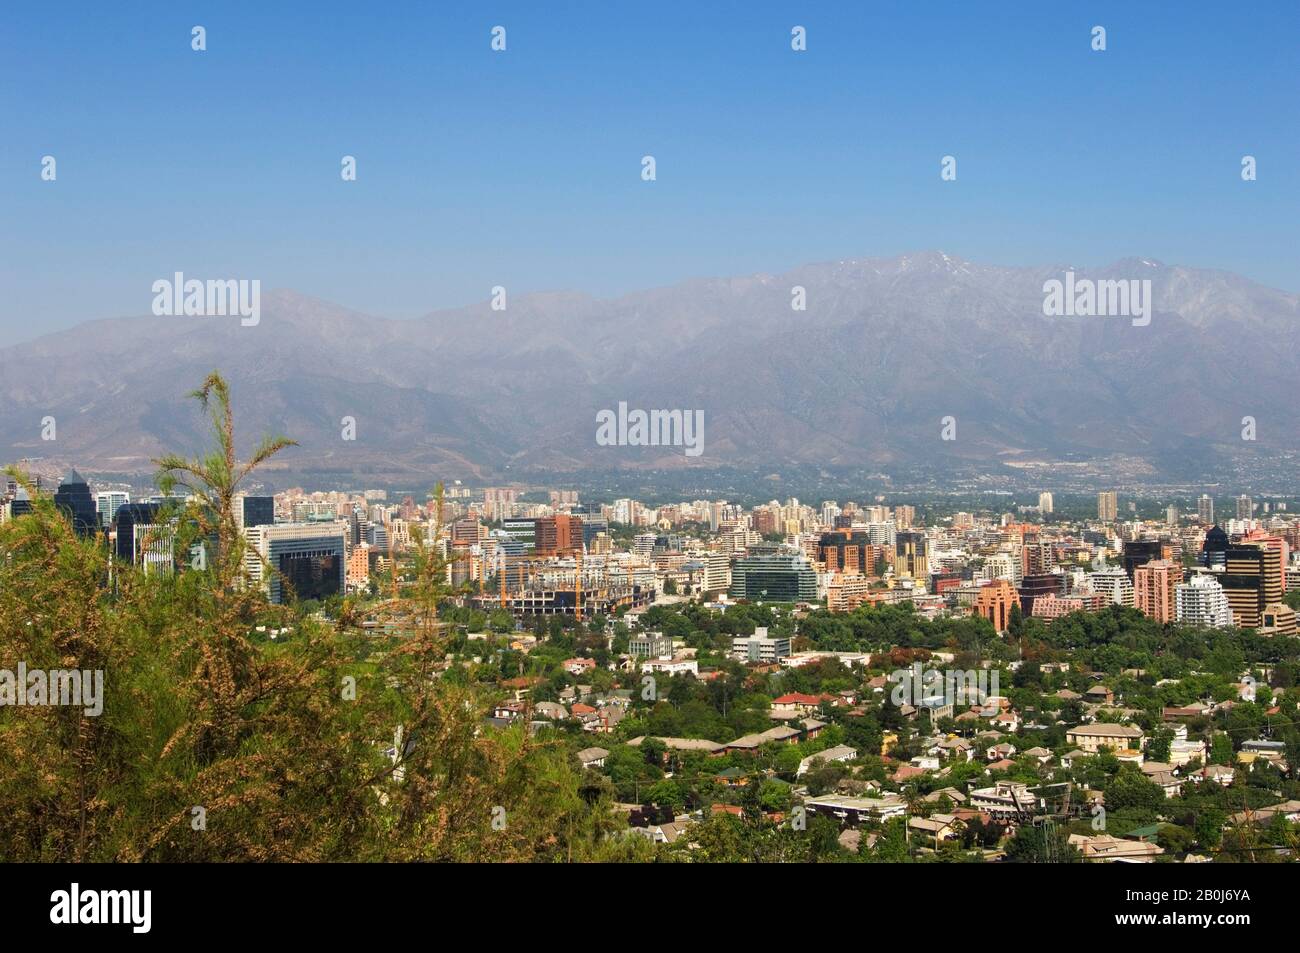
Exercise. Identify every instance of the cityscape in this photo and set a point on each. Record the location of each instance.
(679, 434)
(993, 684)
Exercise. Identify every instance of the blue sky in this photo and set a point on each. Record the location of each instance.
(522, 168)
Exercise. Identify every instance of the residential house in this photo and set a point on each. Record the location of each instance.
(1105, 735)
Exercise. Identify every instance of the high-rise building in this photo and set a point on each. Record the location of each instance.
(994, 602)
(558, 534)
(307, 559)
(1202, 601)
(522, 529)
(107, 504)
(358, 571)
(1245, 507)
(1205, 509)
(717, 572)
(848, 551)
(20, 502)
(1252, 580)
(1154, 589)
(1113, 583)
(1038, 585)
(1107, 506)
(1278, 550)
(129, 519)
(773, 577)
(1214, 549)
(911, 556)
(255, 511)
(1171, 515)
(1139, 552)
(1045, 503)
(73, 497)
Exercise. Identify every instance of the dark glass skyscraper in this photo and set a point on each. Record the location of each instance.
(74, 498)
(259, 510)
(1214, 552)
(129, 516)
(1139, 552)
(774, 577)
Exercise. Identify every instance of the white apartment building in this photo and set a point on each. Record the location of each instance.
(759, 648)
(1202, 601)
(1114, 584)
(717, 572)
(1000, 566)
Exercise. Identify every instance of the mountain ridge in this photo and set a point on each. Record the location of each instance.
(886, 350)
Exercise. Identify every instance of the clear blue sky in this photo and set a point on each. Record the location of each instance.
(523, 168)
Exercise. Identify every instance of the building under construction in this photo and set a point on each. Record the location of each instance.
(596, 600)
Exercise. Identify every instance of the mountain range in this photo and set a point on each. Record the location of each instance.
(863, 378)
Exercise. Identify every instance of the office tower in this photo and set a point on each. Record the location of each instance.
(20, 502)
(466, 531)
(773, 577)
(107, 504)
(1205, 509)
(1252, 580)
(1138, 552)
(1202, 601)
(994, 602)
(130, 520)
(911, 557)
(356, 525)
(73, 497)
(1107, 506)
(1277, 548)
(1154, 589)
(849, 552)
(1039, 585)
(255, 511)
(554, 535)
(1214, 548)
(305, 559)
(764, 521)
(522, 529)
(593, 526)
(1245, 507)
(1045, 503)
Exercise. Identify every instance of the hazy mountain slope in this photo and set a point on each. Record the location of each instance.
(863, 377)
